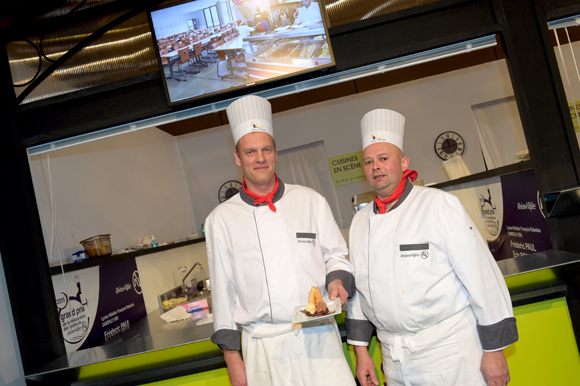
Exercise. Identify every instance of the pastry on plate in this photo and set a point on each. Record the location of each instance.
(315, 307)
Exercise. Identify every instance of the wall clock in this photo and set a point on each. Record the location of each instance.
(229, 189)
(449, 144)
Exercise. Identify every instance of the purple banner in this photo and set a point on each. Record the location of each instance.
(120, 301)
(521, 228)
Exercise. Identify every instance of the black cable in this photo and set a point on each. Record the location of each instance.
(39, 65)
(95, 35)
(43, 34)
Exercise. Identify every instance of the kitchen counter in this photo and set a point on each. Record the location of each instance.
(153, 350)
(516, 167)
(148, 337)
(290, 33)
(150, 350)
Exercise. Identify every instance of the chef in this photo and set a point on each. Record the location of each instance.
(267, 246)
(309, 13)
(261, 24)
(425, 278)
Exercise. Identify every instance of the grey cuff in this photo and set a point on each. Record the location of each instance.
(227, 339)
(498, 335)
(347, 279)
(359, 330)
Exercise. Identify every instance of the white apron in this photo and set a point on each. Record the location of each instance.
(277, 355)
(446, 354)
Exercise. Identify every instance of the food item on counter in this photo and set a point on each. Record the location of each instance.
(267, 52)
(285, 51)
(97, 246)
(323, 51)
(316, 307)
(96, 251)
(173, 302)
(307, 50)
(296, 52)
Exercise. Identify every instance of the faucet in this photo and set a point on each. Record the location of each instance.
(184, 286)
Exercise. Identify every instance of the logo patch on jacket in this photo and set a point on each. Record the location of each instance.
(414, 250)
(306, 238)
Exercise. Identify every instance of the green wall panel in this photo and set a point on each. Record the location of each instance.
(146, 360)
(375, 353)
(546, 353)
(218, 377)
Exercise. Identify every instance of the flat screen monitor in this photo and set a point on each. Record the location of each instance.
(208, 47)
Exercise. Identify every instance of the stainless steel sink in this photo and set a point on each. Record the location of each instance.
(185, 293)
(201, 294)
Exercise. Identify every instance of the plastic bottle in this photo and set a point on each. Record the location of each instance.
(202, 230)
(154, 243)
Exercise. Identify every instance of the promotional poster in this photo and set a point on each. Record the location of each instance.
(96, 304)
(512, 216)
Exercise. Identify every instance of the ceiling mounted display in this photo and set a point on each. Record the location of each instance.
(208, 47)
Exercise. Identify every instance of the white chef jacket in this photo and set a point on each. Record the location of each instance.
(421, 263)
(263, 263)
(309, 15)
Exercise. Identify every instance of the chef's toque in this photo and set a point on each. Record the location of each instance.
(248, 115)
(382, 125)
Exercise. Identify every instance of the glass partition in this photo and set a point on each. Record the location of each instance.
(566, 38)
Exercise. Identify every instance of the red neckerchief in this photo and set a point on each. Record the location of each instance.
(260, 199)
(382, 204)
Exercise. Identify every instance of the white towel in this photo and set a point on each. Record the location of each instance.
(178, 313)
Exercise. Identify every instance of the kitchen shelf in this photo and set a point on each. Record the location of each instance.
(517, 167)
(69, 267)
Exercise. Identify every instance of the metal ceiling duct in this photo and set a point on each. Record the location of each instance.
(73, 5)
(123, 52)
(347, 11)
(126, 50)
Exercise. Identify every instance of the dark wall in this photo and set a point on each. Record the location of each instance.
(22, 246)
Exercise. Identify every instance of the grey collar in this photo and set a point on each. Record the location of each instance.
(277, 196)
(406, 192)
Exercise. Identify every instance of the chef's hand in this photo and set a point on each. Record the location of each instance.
(336, 290)
(494, 368)
(365, 367)
(236, 368)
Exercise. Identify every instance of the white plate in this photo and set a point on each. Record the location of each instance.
(333, 306)
(297, 26)
(280, 29)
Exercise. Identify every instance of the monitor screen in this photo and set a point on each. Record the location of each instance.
(207, 47)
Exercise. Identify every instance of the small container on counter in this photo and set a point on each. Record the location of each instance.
(79, 256)
(98, 246)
